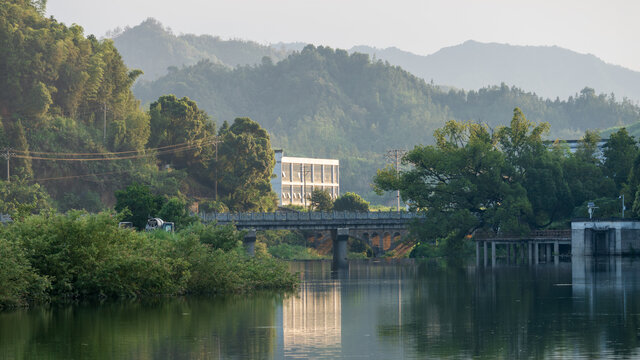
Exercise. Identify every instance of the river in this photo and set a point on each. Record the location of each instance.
(373, 310)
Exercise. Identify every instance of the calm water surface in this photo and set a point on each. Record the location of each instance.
(377, 310)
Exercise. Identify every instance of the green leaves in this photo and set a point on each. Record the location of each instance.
(244, 167)
(350, 202)
(321, 200)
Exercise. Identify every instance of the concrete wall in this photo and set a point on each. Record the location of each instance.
(604, 237)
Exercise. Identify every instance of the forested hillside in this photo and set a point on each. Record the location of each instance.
(549, 71)
(73, 126)
(325, 102)
(156, 49)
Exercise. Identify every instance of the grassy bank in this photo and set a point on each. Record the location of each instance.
(60, 257)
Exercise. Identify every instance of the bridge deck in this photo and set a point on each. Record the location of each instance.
(561, 236)
(313, 220)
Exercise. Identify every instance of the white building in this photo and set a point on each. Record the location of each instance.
(295, 178)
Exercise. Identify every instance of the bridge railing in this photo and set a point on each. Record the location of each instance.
(536, 234)
(306, 216)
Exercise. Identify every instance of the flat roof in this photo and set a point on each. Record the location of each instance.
(301, 160)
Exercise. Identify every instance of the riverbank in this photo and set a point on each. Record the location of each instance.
(55, 257)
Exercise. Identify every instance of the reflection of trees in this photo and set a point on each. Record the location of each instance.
(207, 328)
(511, 312)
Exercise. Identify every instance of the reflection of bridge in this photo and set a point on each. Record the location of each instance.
(376, 228)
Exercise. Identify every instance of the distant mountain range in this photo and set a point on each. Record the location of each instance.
(549, 71)
(156, 50)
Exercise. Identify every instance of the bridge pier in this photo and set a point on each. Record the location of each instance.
(547, 256)
(484, 244)
(556, 253)
(493, 253)
(249, 242)
(340, 238)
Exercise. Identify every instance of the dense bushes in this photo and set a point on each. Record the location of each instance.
(19, 282)
(79, 255)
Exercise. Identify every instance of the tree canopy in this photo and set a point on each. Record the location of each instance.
(506, 179)
(350, 202)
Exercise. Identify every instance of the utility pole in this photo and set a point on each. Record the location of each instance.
(7, 154)
(104, 124)
(303, 173)
(395, 155)
(216, 140)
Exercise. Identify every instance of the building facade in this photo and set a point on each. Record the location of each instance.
(296, 178)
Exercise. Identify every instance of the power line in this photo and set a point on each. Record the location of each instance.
(108, 158)
(212, 139)
(83, 175)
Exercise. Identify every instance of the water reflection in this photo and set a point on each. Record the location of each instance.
(584, 309)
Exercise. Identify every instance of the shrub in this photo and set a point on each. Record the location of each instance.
(218, 237)
(19, 283)
(293, 252)
(88, 255)
(350, 202)
(80, 255)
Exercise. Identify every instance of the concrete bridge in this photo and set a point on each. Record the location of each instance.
(376, 228)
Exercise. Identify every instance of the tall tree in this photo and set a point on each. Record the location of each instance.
(619, 153)
(244, 167)
(179, 121)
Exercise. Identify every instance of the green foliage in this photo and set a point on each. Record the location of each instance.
(19, 283)
(79, 255)
(88, 200)
(619, 154)
(608, 207)
(244, 167)
(57, 88)
(140, 203)
(21, 198)
(276, 237)
(179, 121)
(225, 237)
(209, 206)
(452, 247)
(507, 181)
(293, 252)
(321, 200)
(88, 255)
(175, 210)
(359, 247)
(350, 202)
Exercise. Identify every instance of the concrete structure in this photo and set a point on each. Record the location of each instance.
(587, 238)
(378, 229)
(538, 246)
(593, 237)
(296, 177)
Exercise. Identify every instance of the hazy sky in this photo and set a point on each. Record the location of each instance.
(608, 29)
